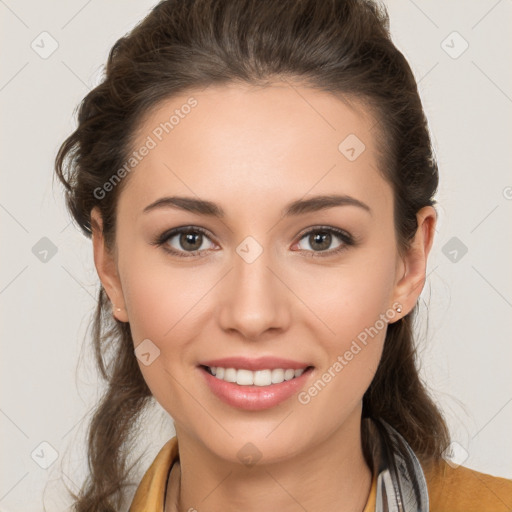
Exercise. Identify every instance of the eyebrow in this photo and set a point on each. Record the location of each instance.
(295, 208)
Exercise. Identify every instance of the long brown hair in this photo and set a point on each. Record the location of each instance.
(340, 46)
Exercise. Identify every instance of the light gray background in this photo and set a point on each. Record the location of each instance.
(46, 306)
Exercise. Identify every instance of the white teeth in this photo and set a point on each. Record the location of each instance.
(230, 375)
(277, 376)
(289, 374)
(257, 378)
(244, 377)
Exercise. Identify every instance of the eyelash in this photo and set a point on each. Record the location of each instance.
(345, 237)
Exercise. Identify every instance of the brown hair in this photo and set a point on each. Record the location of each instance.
(340, 46)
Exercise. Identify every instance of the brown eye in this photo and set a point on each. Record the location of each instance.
(321, 239)
(183, 240)
(190, 241)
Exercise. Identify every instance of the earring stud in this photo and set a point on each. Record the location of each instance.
(398, 308)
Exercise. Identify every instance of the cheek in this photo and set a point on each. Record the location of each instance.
(159, 296)
(165, 305)
(355, 309)
(161, 309)
(355, 297)
(351, 357)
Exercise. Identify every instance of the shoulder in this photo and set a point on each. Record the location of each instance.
(461, 489)
(150, 493)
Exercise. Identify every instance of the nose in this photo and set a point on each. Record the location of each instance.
(253, 298)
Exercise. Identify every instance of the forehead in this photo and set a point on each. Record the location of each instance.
(277, 142)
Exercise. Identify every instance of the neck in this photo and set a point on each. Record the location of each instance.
(331, 476)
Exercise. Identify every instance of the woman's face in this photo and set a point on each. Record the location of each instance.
(256, 282)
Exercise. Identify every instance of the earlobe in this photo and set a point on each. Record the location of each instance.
(410, 283)
(106, 267)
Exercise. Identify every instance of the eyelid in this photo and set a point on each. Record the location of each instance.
(163, 238)
(347, 240)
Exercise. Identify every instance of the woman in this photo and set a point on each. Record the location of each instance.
(258, 181)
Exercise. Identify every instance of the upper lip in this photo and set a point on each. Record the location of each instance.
(260, 363)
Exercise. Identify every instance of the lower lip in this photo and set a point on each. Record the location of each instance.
(254, 398)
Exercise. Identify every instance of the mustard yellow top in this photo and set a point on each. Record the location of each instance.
(450, 489)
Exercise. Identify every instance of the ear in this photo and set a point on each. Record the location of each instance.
(411, 269)
(106, 267)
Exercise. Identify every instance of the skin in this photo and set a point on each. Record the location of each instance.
(252, 151)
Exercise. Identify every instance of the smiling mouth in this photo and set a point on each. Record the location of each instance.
(264, 377)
